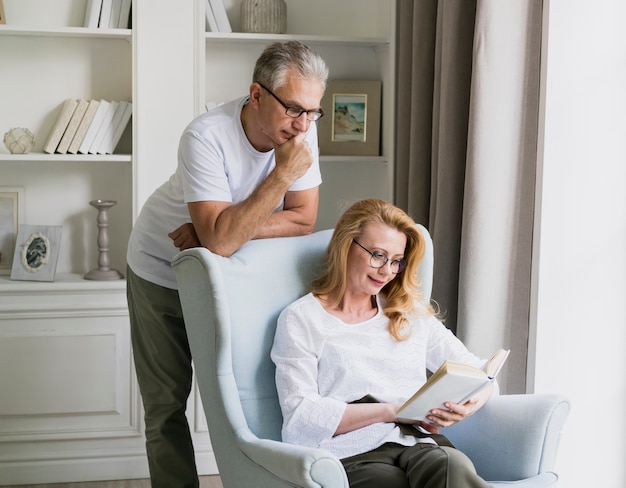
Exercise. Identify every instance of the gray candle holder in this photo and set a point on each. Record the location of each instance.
(103, 271)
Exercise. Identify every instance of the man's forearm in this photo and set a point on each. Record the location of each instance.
(238, 223)
(286, 223)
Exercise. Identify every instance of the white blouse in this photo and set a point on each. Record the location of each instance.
(322, 364)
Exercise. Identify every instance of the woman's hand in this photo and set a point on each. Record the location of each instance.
(455, 412)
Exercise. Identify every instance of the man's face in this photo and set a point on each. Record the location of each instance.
(297, 92)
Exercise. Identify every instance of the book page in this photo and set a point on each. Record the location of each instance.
(494, 365)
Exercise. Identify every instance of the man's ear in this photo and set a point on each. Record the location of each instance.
(255, 94)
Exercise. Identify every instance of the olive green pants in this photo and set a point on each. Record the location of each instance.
(420, 466)
(163, 365)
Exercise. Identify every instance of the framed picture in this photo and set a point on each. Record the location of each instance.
(11, 216)
(3, 19)
(351, 124)
(36, 252)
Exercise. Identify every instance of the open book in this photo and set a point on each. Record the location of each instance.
(452, 382)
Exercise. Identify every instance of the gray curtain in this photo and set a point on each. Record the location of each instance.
(467, 123)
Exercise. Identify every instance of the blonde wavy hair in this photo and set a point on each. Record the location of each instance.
(403, 294)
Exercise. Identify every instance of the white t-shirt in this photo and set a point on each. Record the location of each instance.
(215, 162)
(322, 364)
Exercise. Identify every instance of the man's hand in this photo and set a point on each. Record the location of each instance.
(185, 237)
(294, 157)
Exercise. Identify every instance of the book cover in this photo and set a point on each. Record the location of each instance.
(452, 382)
(104, 127)
(92, 13)
(223, 24)
(105, 14)
(116, 7)
(117, 135)
(90, 112)
(94, 127)
(211, 22)
(118, 124)
(124, 14)
(58, 129)
(72, 126)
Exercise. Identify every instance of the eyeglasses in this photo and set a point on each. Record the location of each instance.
(295, 112)
(378, 260)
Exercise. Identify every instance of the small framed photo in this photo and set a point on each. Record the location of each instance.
(36, 252)
(351, 124)
(3, 19)
(11, 216)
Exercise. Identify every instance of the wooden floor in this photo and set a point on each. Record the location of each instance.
(205, 482)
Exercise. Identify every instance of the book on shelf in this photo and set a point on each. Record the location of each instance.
(114, 19)
(104, 127)
(211, 22)
(105, 14)
(103, 108)
(92, 13)
(90, 112)
(124, 21)
(116, 129)
(116, 8)
(452, 382)
(58, 129)
(72, 126)
(223, 24)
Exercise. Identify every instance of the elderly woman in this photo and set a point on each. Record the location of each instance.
(350, 352)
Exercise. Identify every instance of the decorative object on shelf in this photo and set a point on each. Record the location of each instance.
(19, 140)
(351, 126)
(103, 271)
(36, 252)
(3, 19)
(264, 16)
(11, 216)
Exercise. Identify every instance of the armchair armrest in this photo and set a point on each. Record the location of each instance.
(298, 465)
(513, 436)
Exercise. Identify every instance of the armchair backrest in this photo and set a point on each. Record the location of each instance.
(240, 298)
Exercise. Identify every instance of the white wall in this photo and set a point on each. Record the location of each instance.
(580, 279)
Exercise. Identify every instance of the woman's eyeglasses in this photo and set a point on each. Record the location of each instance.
(378, 260)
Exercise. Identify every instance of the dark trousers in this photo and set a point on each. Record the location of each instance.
(420, 466)
(163, 366)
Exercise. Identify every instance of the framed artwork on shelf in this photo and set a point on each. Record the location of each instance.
(11, 216)
(351, 122)
(3, 19)
(36, 252)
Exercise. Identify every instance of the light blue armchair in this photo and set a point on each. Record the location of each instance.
(230, 308)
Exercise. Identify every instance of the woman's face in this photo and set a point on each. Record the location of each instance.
(380, 238)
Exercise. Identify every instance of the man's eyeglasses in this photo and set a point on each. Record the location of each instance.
(295, 112)
(378, 260)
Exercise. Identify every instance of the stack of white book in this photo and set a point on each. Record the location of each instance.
(108, 14)
(88, 127)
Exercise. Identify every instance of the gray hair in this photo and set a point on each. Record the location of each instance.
(279, 58)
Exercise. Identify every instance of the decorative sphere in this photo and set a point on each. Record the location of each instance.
(19, 140)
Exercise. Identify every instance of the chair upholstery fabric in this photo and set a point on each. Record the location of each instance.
(231, 306)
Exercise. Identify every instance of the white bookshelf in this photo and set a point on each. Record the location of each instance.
(70, 409)
(45, 62)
